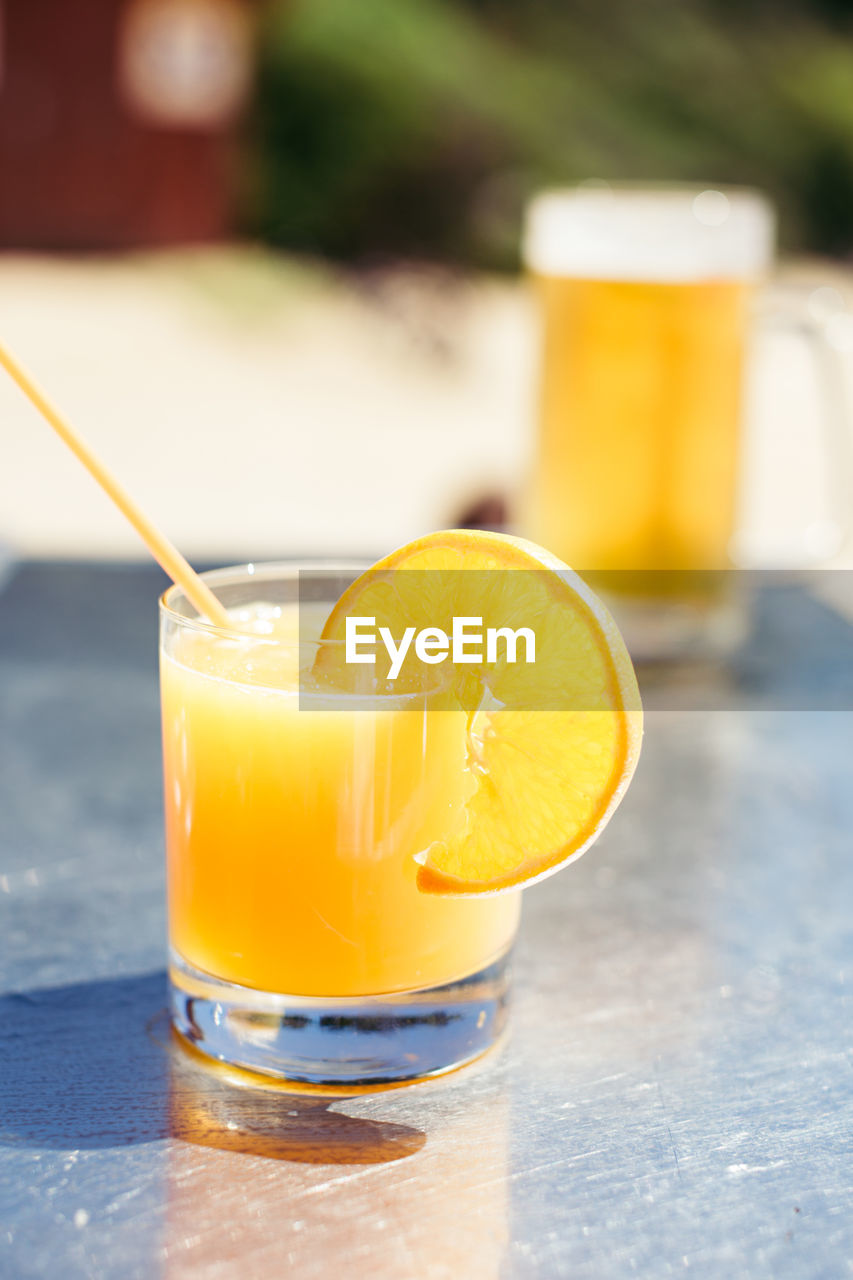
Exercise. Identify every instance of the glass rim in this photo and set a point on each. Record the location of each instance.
(252, 570)
(663, 188)
(278, 570)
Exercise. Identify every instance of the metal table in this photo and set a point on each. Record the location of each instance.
(675, 1095)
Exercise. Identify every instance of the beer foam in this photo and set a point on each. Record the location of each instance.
(669, 235)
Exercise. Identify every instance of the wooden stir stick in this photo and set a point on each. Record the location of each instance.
(164, 552)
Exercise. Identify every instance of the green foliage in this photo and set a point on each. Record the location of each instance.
(419, 127)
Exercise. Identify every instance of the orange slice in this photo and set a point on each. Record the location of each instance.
(551, 744)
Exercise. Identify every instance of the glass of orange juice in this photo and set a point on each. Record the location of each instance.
(300, 945)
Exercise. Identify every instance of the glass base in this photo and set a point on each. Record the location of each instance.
(356, 1040)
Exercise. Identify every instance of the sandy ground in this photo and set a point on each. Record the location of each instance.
(255, 406)
(259, 406)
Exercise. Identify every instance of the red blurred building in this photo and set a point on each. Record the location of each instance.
(117, 120)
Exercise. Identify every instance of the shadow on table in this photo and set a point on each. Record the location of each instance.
(207, 1110)
(92, 1065)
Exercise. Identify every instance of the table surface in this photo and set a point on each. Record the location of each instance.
(675, 1094)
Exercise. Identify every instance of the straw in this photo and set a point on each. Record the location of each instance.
(166, 555)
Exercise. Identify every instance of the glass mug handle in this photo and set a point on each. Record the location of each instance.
(818, 317)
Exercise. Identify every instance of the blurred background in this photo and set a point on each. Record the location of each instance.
(266, 254)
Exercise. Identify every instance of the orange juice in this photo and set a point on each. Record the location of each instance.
(292, 833)
(640, 415)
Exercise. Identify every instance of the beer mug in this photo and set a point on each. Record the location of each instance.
(647, 299)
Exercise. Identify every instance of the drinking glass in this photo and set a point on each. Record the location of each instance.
(300, 945)
(647, 299)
